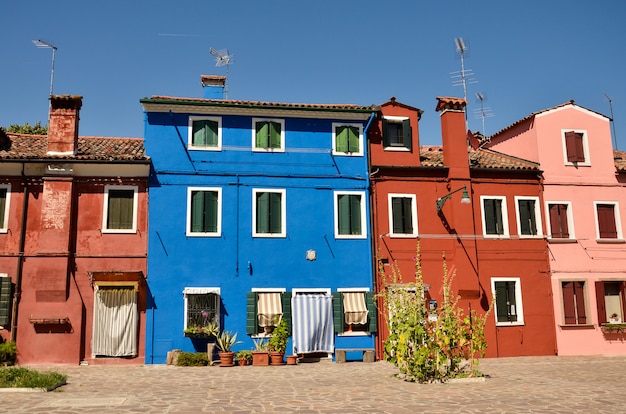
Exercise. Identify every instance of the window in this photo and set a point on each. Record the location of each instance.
(204, 211)
(5, 192)
(402, 215)
(610, 297)
(5, 300)
(494, 216)
(560, 217)
(508, 295)
(573, 296)
(354, 311)
(528, 216)
(350, 214)
(268, 134)
(575, 147)
(265, 309)
(268, 219)
(202, 306)
(120, 209)
(607, 220)
(396, 133)
(347, 139)
(205, 133)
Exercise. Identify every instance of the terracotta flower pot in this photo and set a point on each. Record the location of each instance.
(277, 358)
(292, 359)
(260, 358)
(227, 359)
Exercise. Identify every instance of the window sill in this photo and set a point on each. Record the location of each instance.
(610, 241)
(190, 148)
(561, 241)
(506, 324)
(354, 333)
(348, 154)
(576, 327)
(397, 149)
(402, 236)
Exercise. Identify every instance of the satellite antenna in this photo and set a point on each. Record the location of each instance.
(483, 112)
(612, 120)
(42, 44)
(223, 58)
(461, 78)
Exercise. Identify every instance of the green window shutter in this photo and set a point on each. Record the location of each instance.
(120, 212)
(343, 213)
(397, 215)
(286, 302)
(197, 211)
(3, 204)
(341, 137)
(385, 133)
(353, 139)
(204, 133)
(406, 130)
(371, 312)
(274, 135)
(493, 216)
(5, 301)
(275, 213)
(210, 211)
(262, 134)
(528, 226)
(355, 214)
(262, 212)
(338, 311)
(252, 322)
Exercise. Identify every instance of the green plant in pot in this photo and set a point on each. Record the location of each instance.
(225, 341)
(260, 355)
(244, 357)
(277, 344)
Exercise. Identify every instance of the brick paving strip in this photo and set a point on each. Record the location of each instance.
(523, 384)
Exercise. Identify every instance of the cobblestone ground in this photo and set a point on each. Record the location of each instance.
(523, 384)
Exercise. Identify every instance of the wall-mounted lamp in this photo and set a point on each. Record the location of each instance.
(465, 199)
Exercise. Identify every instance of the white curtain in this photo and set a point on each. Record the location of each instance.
(313, 323)
(115, 321)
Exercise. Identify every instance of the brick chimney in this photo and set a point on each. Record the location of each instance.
(454, 136)
(213, 86)
(63, 127)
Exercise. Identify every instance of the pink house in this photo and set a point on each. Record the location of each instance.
(73, 243)
(584, 201)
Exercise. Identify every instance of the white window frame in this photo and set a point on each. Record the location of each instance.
(304, 291)
(194, 118)
(354, 333)
(538, 221)
(282, 135)
(518, 300)
(587, 161)
(105, 210)
(396, 120)
(4, 225)
(335, 125)
(618, 222)
(283, 212)
(197, 291)
(217, 233)
(570, 219)
(363, 234)
(505, 218)
(413, 198)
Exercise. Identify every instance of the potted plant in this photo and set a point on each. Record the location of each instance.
(225, 342)
(260, 355)
(614, 318)
(244, 357)
(278, 342)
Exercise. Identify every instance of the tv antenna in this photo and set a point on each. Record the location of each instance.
(483, 112)
(462, 78)
(612, 120)
(223, 58)
(45, 45)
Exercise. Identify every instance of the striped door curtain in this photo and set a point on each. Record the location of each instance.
(312, 323)
(355, 310)
(115, 321)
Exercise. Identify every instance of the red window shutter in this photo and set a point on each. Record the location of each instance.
(623, 297)
(574, 146)
(606, 221)
(569, 309)
(558, 221)
(600, 302)
(579, 293)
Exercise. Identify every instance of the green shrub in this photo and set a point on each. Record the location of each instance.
(8, 352)
(17, 377)
(192, 359)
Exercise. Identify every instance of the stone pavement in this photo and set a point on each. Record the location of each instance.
(523, 384)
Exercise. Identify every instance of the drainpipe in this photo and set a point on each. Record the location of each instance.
(372, 219)
(20, 260)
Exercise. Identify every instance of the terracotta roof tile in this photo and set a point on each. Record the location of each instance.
(620, 160)
(432, 156)
(30, 147)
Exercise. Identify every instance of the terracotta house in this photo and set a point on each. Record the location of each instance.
(479, 207)
(584, 200)
(73, 237)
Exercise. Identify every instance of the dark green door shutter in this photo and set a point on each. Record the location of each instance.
(252, 322)
(5, 301)
(371, 312)
(286, 302)
(338, 311)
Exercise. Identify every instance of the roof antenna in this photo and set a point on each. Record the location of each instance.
(223, 58)
(483, 112)
(612, 120)
(461, 78)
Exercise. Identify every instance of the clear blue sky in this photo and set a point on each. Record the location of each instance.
(525, 55)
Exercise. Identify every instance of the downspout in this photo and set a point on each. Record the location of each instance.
(20, 260)
(237, 233)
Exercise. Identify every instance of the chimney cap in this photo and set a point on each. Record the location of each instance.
(66, 101)
(449, 102)
(212, 80)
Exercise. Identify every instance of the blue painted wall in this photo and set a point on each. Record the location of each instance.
(236, 262)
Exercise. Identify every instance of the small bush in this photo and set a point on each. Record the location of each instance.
(15, 377)
(193, 359)
(8, 352)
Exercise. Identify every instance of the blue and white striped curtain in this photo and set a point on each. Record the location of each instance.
(313, 323)
(115, 321)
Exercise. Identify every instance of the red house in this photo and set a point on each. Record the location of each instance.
(73, 217)
(480, 208)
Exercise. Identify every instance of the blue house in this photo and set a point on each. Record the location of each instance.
(258, 211)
